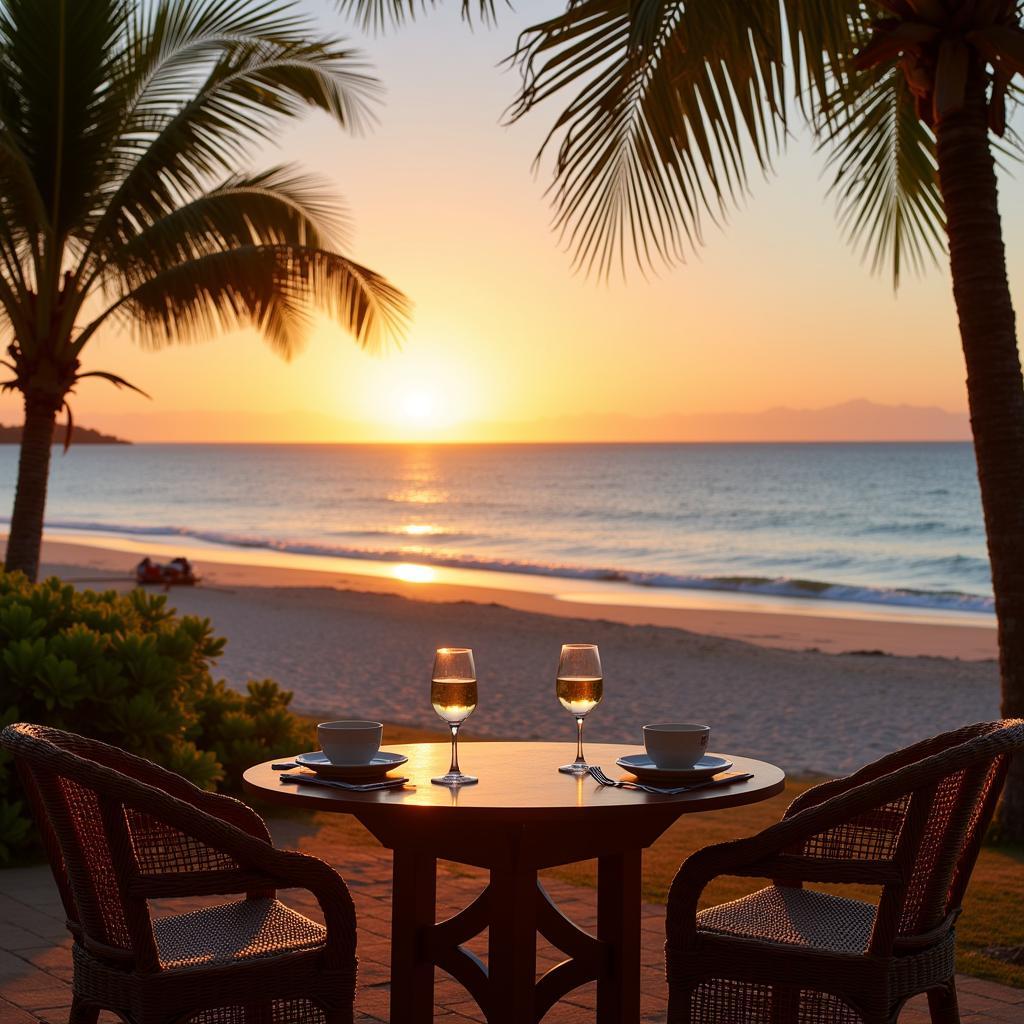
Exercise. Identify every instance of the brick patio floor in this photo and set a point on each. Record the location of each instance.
(35, 961)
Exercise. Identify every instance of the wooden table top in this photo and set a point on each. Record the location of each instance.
(518, 781)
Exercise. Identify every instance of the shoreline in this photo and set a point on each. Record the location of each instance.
(865, 629)
(809, 694)
(594, 585)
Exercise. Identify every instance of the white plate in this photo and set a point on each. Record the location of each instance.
(382, 763)
(646, 770)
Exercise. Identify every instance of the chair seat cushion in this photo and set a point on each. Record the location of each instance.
(230, 932)
(794, 917)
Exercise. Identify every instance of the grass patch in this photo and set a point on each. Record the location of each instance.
(993, 910)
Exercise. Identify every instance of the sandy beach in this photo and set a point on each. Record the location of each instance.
(773, 686)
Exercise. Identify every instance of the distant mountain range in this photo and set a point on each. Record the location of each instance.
(857, 420)
(81, 435)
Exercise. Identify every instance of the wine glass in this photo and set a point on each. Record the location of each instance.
(579, 687)
(453, 696)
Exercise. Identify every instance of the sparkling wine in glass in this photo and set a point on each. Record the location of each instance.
(453, 696)
(579, 688)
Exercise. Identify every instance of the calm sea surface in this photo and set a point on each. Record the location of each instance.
(896, 524)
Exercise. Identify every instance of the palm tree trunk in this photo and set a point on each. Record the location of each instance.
(994, 388)
(26, 535)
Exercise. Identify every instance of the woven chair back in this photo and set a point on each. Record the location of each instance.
(924, 810)
(933, 824)
(89, 800)
(69, 816)
(959, 790)
(962, 805)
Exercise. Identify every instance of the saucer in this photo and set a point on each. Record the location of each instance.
(646, 770)
(381, 763)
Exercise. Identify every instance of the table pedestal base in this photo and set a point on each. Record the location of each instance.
(522, 818)
(514, 908)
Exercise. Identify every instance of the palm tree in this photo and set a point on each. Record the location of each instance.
(672, 102)
(123, 124)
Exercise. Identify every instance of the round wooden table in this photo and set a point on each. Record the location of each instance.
(522, 816)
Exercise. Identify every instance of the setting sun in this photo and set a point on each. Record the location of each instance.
(415, 395)
(416, 405)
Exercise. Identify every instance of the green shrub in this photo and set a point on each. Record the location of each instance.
(125, 669)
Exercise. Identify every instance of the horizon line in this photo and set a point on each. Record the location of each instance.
(535, 442)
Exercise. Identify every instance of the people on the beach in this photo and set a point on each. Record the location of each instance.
(178, 571)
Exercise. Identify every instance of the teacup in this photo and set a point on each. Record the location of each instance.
(349, 742)
(672, 745)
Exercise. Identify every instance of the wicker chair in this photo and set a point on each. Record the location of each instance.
(120, 831)
(911, 824)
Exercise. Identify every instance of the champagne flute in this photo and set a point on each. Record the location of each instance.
(579, 688)
(453, 696)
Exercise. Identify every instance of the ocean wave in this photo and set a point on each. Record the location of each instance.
(927, 526)
(770, 586)
(432, 533)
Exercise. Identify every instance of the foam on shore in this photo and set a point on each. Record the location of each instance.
(785, 587)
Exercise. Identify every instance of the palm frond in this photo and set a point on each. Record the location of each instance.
(168, 48)
(276, 206)
(1011, 144)
(19, 190)
(272, 288)
(69, 426)
(23, 215)
(57, 59)
(885, 175)
(378, 15)
(168, 54)
(113, 378)
(822, 37)
(673, 104)
(182, 142)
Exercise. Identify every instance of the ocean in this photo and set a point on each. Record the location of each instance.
(893, 525)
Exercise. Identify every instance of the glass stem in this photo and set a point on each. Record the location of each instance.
(579, 740)
(454, 770)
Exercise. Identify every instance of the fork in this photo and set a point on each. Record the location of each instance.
(599, 776)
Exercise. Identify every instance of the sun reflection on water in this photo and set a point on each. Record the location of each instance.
(409, 572)
(418, 529)
(418, 496)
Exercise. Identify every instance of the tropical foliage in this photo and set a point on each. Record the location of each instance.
(675, 103)
(126, 670)
(125, 202)
(672, 103)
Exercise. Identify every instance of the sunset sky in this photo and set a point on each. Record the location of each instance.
(776, 310)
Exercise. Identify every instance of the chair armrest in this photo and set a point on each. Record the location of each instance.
(767, 855)
(260, 865)
(739, 857)
(300, 870)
